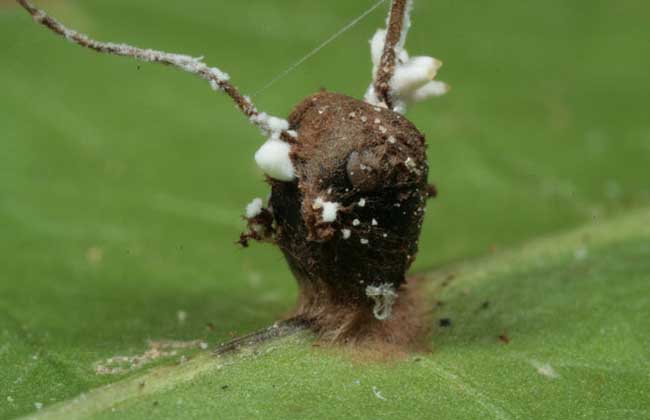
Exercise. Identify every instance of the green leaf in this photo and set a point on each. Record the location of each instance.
(555, 329)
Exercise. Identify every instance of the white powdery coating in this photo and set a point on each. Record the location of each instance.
(254, 208)
(270, 125)
(330, 209)
(384, 297)
(185, 62)
(273, 158)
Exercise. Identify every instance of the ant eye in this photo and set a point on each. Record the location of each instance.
(364, 170)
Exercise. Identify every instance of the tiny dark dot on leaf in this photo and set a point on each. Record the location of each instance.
(224, 387)
(445, 322)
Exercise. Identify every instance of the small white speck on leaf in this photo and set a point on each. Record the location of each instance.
(581, 253)
(545, 369)
(94, 255)
(181, 316)
(38, 405)
(377, 393)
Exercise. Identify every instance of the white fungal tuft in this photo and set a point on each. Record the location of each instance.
(412, 79)
(384, 297)
(362, 202)
(273, 158)
(414, 74)
(364, 241)
(330, 209)
(346, 233)
(432, 89)
(356, 222)
(254, 208)
(377, 48)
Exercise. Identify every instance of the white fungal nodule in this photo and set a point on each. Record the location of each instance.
(330, 209)
(254, 208)
(273, 158)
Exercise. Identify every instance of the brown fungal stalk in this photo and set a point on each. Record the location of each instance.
(348, 184)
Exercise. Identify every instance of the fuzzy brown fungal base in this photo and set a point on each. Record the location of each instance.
(372, 162)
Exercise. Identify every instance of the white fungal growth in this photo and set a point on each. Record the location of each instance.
(384, 297)
(254, 208)
(432, 89)
(412, 79)
(364, 241)
(414, 74)
(377, 43)
(362, 202)
(273, 158)
(374, 222)
(271, 126)
(346, 233)
(330, 209)
(356, 222)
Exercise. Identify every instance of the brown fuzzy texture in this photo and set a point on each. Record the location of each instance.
(408, 329)
(346, 151)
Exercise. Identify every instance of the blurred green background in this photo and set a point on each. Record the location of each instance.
(122, 184)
